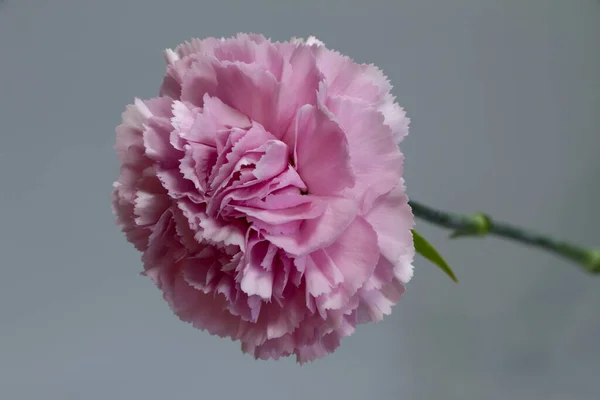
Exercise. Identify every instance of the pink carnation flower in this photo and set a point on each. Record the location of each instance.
(264, 188)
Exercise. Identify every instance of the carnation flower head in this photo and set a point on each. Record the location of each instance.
(264, 188)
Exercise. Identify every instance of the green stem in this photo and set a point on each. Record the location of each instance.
(479, 224)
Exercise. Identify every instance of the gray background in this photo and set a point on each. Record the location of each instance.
(504, 97)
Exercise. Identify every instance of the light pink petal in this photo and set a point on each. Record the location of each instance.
(368, 136)
(286, 229)
(197, 164)
(321, 274)
(192, 211)
(281, 268)
(289, 178)
(224, 115)
(205, 311)
(273, 321)
(200, 79)
(250, 89)
(383, 274)
(282, 320)
(151, 199)
(256, 276)
(123, 199)
(326, 345)
(271, 349)
(392, 219)
(215, 119)
(319, 232)
(362, 82)
(226, 158)
(322, 152)
(273, 161)
(394, 117)
(374, 304)
(213, 230)
(184, 116)
(163, 251)
(148, 207)
(251, 49)
(158, 107)
(299, 87)
(130, 141)
(203, 273)
(185, 232)
(309, 210)
(355, 254)
(347, 78)
(309, 341)
(257, 281)
(156, 138)
(197, 46)
(177, 68)
(123, 209)
(222, 232)
(290, 196)
(247, 142)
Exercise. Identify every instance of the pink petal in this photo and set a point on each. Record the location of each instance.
(185, 232)
(200, 79)
(148, 207)
(392, 219)
(321, 274)
(197, 164)
(197, 46)
(355, 254)
(123, 209)
(215, 118)
(182, 121)
(247, 142)
(163, 251)
(204, 311)
(322, 152)
(156, 140)
(368, 136)
(257, 281)
(374, 304)
(274, 160)
(303, 211)
(256, 276)
(232, 233)
(299, 87)
(394, 117)
(223, 115)
(151, 200)
(130, 142)
(251, 49)
(326, 345)
(202, 273)
(319, 232)
(346, 78)
(250, 89)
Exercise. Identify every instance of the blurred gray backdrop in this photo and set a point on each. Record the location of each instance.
(504, 96)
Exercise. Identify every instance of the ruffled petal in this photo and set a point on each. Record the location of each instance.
(376, 159)
(355, 255)
(322, 153)
(392, 219)
(319, 232)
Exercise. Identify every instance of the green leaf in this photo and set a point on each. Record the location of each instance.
(424, 248)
